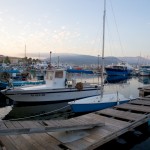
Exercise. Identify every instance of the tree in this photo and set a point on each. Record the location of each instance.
(29, 60)
(7, 60)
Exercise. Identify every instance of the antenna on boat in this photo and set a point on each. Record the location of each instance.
(58, 62)
(50, 59)
(25, 58)
(39, 56)
(25, 51)
(98, 69)
(103, 47)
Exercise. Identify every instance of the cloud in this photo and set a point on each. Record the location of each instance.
(64, 35)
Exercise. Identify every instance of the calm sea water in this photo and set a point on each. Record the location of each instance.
(126, 86)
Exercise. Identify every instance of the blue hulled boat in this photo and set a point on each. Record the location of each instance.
(4, 85)
(119, 69)
(96, 103)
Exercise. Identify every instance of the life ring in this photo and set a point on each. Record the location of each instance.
(79, 86)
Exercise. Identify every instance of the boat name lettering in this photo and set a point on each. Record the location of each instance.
(38, 94)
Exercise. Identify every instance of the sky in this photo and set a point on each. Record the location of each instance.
(75, 26)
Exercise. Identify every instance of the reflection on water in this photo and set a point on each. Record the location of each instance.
(117, 79)
(48, 111)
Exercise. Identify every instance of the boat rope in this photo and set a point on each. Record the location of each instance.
(38, 114)
(79, 86)
(122, 48)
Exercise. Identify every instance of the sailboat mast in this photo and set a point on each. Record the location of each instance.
(25, 51)
(103, 47)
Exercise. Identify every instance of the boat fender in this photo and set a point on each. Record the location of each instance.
(10, 83)
(79, 86)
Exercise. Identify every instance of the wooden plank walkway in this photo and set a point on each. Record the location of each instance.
(144, 91)
(28, 127)
(84, 132)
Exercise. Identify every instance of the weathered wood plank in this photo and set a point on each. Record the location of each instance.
(120, 114)
(2, 125)
(144, 109)
(98, 134)
(144, 98)
(46, 141)
(17, 124)
(21, 142)
(27, 124)
(144, 88)
(37, 145)
(8, 143)
(111, 135)
(140, 102)
(28, 127)
(9, 125)
(73, 127)
(112, 121)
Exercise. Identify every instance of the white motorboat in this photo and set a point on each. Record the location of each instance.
(56, 89)
(144, 70)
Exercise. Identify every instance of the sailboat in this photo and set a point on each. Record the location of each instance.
(102, 101)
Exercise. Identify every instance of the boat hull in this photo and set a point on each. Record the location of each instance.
(4, 85)
(82, 108)
(145, 73)
(50, 95)
(113, 72)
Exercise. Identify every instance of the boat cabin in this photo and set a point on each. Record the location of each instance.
(59, 78)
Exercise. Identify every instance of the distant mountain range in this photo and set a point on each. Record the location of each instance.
(78, 59)
(88, 60)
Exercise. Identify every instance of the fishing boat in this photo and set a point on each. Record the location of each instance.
(57, 89)
(122, 68)
(101, 101)
(4, 84)
(13, 78)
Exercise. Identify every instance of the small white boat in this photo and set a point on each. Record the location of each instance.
(56, 89)
(144, 70)
(96, 103)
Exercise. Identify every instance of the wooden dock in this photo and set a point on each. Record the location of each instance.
(144, 91)
(84, 132)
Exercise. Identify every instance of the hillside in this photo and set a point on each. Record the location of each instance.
(86, 59)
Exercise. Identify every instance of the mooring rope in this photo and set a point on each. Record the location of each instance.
(39, 114)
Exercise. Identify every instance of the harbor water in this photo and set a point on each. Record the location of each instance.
(128, 86)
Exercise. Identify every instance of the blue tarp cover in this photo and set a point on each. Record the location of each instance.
(79, 71)
(10, 71)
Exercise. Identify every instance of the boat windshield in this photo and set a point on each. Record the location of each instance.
(59, 74)
(119, 67)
